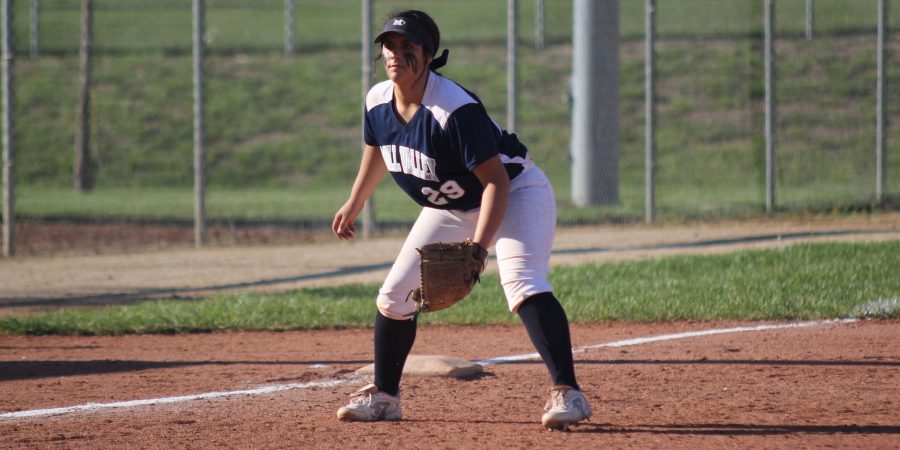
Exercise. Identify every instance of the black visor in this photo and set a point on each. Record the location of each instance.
(410, 29)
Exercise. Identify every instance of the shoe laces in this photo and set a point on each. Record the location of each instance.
(363, 396)
(557, 400)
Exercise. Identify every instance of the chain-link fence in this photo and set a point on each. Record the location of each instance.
(283, 108)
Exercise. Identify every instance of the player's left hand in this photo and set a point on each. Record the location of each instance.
(447, 273)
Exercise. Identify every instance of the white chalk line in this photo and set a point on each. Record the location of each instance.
(341, 381)
(183, 398)
(670, 337)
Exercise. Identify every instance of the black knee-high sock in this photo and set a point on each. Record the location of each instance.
(393, 341)
(548, 328)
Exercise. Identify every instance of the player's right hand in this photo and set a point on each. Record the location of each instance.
(343, 226)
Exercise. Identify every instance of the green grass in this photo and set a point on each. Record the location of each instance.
(805, 281)
(131, 25)
(286, 130)
(222, 203)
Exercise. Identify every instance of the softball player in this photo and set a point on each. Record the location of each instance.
(473, 180)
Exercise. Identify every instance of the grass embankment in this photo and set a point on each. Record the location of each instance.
(803, 281)
(283, 133)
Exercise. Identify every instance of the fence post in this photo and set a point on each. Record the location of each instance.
(809, 19)
(35, 28)
(8, 135)
(650, 112)
(84, 165)
(512, 75)
(199, 130)
(368, 218)
(770, 103)
(539, 24)
(595, 102)
(880, 117)
(290, 7)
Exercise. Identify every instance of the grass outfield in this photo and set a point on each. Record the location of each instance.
(804, 281)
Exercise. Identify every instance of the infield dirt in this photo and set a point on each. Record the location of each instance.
(826, 386)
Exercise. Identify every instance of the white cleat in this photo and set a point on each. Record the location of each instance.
(369, 404)
(566, 407)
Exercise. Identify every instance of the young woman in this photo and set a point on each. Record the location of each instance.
(473, 180)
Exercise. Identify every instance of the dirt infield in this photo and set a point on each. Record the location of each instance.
(829, 385)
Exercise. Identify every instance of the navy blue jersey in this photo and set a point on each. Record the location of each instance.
(432, 156)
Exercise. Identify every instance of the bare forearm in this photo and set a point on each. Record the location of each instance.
(371, 171)
(493, 177)
(493, 208)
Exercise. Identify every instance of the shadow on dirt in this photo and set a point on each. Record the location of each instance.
(738, 429)
(29, 370)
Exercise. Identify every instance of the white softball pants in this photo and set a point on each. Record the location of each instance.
(522, 245)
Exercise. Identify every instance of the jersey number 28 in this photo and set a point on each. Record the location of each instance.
(450, 189)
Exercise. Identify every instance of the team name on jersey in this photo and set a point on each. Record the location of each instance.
(409, 161)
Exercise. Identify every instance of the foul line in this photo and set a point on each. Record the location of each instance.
(668, 337)
(340, 381)
(183, 398)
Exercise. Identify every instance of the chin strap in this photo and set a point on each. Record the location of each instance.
(440, 61)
